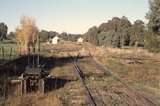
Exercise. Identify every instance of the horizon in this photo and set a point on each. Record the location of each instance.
(69, 15)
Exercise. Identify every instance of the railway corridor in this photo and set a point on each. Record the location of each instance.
(96, 86)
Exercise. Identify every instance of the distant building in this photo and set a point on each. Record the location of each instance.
(80, 40)
(54, 40)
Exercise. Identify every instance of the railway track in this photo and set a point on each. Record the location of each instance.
(106, 71)
(92, 94)
(81, 77)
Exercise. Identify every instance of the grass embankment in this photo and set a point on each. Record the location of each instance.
(143, 75)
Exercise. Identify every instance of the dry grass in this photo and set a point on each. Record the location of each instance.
(49, 99)
(144, 77)
(135, 52)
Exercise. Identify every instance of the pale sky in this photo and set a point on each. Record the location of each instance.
(72, 16)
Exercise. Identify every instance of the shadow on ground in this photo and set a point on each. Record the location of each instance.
(17, 67)
(55, 83)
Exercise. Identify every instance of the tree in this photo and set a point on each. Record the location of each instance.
(116, 40)
(137, 33)
(152, 41)
(106, 38)
(11, 35)
(154, 16)
(3, 31)
(43, 35)
(53, 34)
(115, 23)
(64, 36)
(26, 34)
(124, 31)
(91, 35)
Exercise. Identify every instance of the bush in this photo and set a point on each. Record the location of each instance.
(152, 42)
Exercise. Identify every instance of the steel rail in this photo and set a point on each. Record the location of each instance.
(81, 77)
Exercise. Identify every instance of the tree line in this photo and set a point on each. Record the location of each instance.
(46, 35)
(118, 32)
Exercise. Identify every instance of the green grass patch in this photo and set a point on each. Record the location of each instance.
(9, 48)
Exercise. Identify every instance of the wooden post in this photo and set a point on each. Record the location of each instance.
(38, 50)
(10, 54)
(22, 87)
(2, 54)
(5, 85)
(20, 50)
(33, 57)
(28, 56)
(41, 86)
(56, 83)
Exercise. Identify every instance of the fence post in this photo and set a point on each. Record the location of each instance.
(2, 54)
(10, 54)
